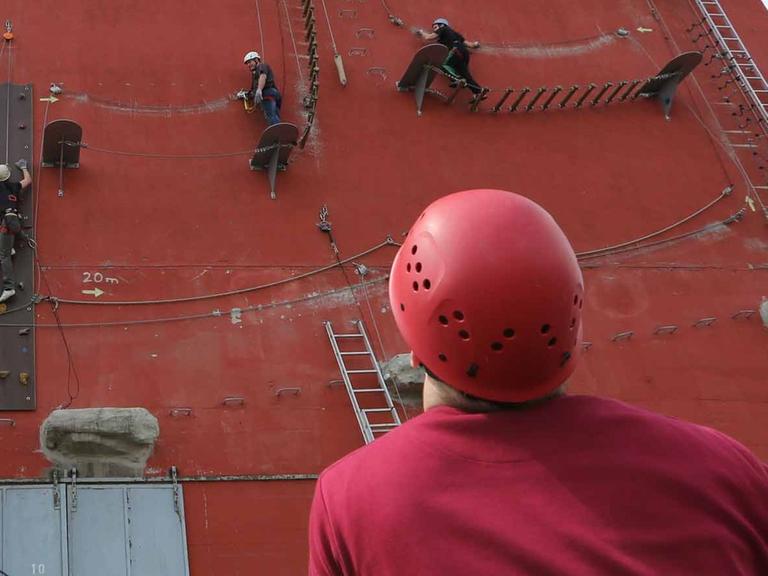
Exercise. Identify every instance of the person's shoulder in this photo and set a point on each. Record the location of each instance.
(670, 433)
(393, 444)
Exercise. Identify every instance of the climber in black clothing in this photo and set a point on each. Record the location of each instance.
(458, 57)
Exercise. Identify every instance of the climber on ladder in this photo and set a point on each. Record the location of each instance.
(457, 63)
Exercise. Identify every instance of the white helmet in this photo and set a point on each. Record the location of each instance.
(251, 56)
(5, 172)
(440, 22)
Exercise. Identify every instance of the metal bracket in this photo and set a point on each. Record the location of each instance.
(623, 336)
(668, 329)
(365, 32)
(743, 314)
(281, 391)
(233, 401)
(358, 51)
(704, 322)
(180, 412)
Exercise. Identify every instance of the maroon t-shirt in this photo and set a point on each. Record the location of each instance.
(578, 485)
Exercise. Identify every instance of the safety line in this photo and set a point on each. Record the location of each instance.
(261, 31)
(726, 192)
(387, 242)
(167, 156)
(730, 220)
(293, 41)
(8, 105)
(212, 314)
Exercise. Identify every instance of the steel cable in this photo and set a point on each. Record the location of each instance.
(340, 262)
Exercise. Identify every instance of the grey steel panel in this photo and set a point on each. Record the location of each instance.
(33, 532)
(17, 351)
(98, 531)
(156, 531)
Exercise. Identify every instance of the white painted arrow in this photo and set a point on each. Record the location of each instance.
(643, 30)
(95, 292)
(50, 99)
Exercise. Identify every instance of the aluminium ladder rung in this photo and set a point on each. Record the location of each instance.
(368, 430)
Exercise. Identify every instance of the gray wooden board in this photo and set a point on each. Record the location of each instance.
(431, 54)
(681, 66)
(17, 351)
(56, 132)
(281, 133)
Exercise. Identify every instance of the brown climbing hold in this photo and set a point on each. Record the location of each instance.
(24, 378)
(4, 374)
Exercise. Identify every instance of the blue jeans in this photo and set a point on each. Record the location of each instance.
(272, 100)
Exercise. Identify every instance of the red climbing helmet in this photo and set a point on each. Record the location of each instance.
(487, 292)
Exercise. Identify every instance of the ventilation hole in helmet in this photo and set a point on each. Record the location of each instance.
(408, 267)
(463, 334)
(402, 306)
(459, 315)
(545, 328)
(443, 320)
(442, 357)
(418, 266)
(414, 248)
(552, 342)
(509, 333)
(564, 358)
(497, 346)
(472, 370)
(415, 286)
(573, 323)
(427, 284)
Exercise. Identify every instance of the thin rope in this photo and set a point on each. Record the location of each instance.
(8, 106)
(387, 242)
(261, 31)
(293, 41)
(330, 30)
(730, 220)
(723, 194)
(212, 314)
(168, 156)
(406, 415)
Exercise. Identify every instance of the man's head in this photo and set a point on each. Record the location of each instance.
(252, 59)
(5, 172)
(439, 23)
(488, 294)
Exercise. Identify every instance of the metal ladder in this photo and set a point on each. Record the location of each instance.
(371, 401)
(738, 59)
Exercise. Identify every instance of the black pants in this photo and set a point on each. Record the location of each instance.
(10, 226)
(459, 61)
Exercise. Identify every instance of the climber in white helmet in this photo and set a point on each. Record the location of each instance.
(263, 89)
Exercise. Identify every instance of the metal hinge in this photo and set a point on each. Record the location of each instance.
(73, 500)
(175, 481)
(56, 495)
